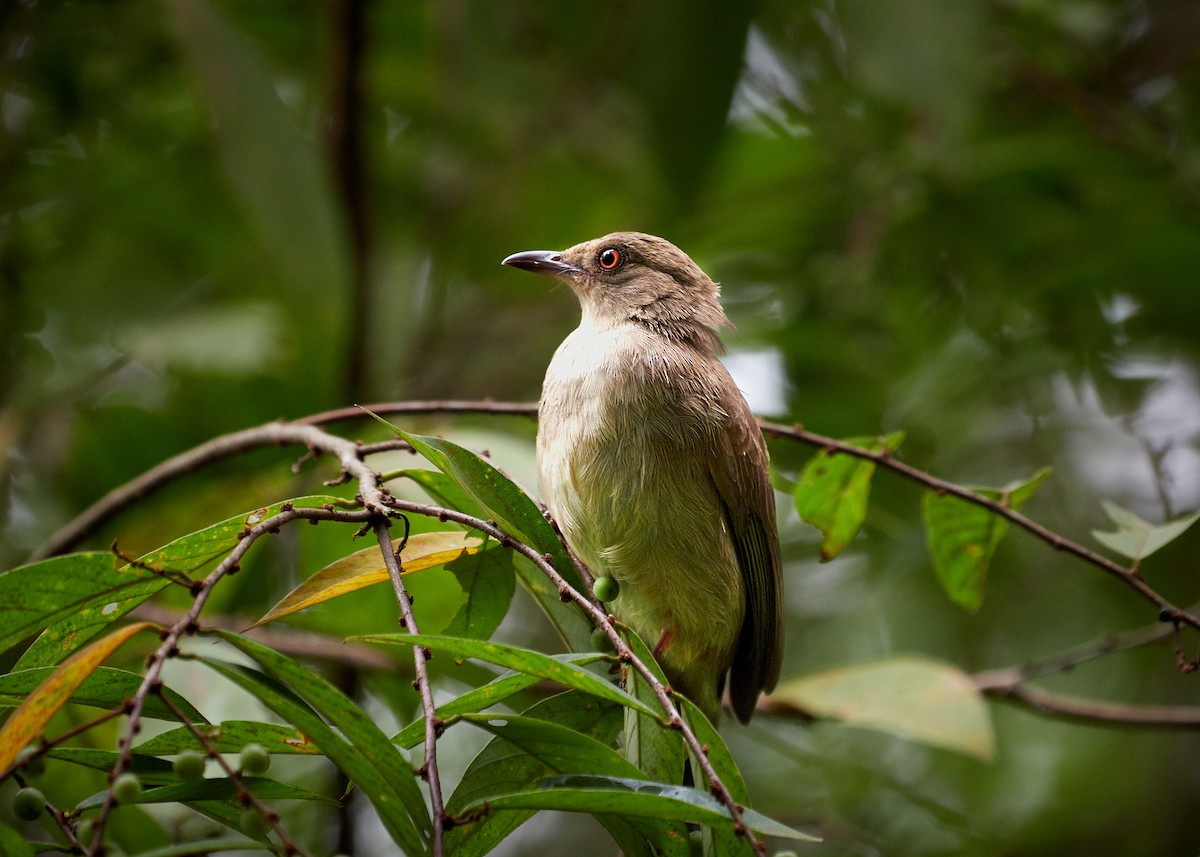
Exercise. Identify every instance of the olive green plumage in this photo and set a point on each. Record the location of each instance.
(654, 467)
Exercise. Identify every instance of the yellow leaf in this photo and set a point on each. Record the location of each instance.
(365, 568)
(35, 712)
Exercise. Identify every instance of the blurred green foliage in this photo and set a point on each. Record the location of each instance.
(975, 221)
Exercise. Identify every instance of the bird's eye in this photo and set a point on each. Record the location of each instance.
(609, 258)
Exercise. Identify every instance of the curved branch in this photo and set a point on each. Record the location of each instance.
(1013, 689)
(215, 450)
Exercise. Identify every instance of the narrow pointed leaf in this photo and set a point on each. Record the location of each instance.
(443, 490)
(1137, 539)
(495, 691)
(834, 488)
(962, 536)
(69, 590)
(638, 798)
(365, 568)
(341, 711)
(216, 788)
(658, 752)
(502, 767)
(39, 706)
(350, 760)
(517, 515)
(516, 658)
(488, 580)
(106, 688)
(89, 592)
(920, 699)
(230, 736)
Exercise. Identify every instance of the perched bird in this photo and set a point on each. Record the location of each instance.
(654, 468)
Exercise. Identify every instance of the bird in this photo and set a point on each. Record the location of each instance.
(655, 470)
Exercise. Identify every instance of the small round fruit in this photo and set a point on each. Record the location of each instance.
(606, 589)
(127, 788)
(253, 824)
(254, 759)
(189, 765)
(29, 803)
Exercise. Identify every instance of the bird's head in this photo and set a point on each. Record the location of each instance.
(632, 277)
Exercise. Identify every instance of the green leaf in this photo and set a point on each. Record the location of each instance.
(1137, 539)
(515, 658)
(918, 698)
(89, 596)
(488, 580)
(384, 791)
(720, 840)
(442, 490)
(151, 770)
(13, 844)
(637, 798)
(81, 588)
(493, 692)
(106, 688)
(516, 514)
(963, 536)
(230, 736)
(502, 767)
(656, 751)
(216, 788)
(834, 489)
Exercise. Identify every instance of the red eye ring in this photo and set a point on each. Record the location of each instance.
(609, 258)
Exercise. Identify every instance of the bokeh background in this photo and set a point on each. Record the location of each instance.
(977, 221)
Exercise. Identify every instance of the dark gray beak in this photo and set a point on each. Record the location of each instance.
(548, 262)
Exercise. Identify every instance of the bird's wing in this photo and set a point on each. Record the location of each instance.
(739, 474)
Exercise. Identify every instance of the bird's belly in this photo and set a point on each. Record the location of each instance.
(638, 506)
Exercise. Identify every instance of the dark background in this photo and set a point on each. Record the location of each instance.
(978, 222)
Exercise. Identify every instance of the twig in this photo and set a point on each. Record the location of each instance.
(1088, 711)
(433, 724)
(217, 449)
(244, 796)
(1167, 611)
(624, 653)
(187, 624)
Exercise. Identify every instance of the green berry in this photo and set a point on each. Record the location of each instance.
(253, 824)
(29, 803)
(254, 759)
(127, 788)
(189, 765)
(606, 589)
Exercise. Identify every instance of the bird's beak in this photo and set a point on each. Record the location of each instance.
(548, 262)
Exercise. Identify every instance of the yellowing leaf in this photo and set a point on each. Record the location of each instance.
(1137, 539)
(921, 699)
(35, 712)
(365, 568)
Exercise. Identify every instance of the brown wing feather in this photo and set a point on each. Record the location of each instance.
(740, 476)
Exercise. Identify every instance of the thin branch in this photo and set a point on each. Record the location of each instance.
(1168, 612)
(432, 406)
(188, 624)
(624, 653)
(433, 724)
(243, 795)
(217, 449)
(1087, 710)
